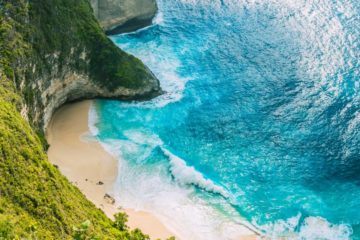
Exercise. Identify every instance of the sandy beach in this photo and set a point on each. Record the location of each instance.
(87, 165)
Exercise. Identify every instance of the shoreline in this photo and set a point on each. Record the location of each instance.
(88, 166)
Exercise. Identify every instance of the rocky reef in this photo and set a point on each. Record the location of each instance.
(118, 16)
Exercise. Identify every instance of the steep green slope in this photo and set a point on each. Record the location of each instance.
(36, 201)
(35, 198)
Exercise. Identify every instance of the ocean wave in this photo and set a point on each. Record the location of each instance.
(316, 228)
(93, 120)
(186, 175)
(165, 68)
(310, 228)
(305, 40)
(141, 144)
(142, 137)
(149, 188)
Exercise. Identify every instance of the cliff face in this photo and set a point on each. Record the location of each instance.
(52, 52)
(118, 16)
(68, 57)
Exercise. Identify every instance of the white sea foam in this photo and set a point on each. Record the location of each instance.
(149, 188)
(311, 228)
(165, 68)
(93, 120)
(319, 228)
(186, 175)
(188, 217)
(182, 173)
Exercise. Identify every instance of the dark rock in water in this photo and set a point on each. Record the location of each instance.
(100, 183)
(109, 199)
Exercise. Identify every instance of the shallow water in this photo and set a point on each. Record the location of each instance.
(260, 124)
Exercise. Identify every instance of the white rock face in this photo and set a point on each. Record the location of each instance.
(117, 16)
(67, 84)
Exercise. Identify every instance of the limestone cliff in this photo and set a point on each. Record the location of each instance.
(68, 57)
(118, 16)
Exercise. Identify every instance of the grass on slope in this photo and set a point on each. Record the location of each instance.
(36, 201)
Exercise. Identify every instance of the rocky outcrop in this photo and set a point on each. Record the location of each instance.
(66, 56)
(74, 86)
(59, 85)
(118, 16)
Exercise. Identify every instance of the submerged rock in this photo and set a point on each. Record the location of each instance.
(119, 16)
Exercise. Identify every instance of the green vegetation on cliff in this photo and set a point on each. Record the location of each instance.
(36, 201)
(50, 41)
(58, 24)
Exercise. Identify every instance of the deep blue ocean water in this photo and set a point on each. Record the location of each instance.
(260, 125)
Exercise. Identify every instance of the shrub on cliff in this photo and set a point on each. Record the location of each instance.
(120, 221)
(6, 228)
(82, 232)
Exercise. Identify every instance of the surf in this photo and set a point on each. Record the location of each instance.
(258, 126)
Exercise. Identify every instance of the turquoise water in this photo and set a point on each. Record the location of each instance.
(260, 125)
